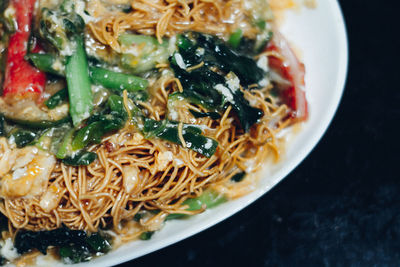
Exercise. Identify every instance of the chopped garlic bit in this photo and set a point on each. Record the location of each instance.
(225, 92)
(163, 159)
(50, 198)
(131, 177)
(8, 250)
(179, 61)
(262, 63)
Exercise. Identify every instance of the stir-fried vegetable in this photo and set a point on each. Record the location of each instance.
(79, 86)
(109, 79)
(208, 199)
(63, 28)
(210, 89)
(74, 245)
(168, 130)
(2, 130)
(142, 53)
(57, 99)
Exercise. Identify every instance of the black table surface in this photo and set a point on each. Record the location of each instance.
(341, 206)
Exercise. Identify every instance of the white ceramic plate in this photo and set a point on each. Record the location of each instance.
(321, 36)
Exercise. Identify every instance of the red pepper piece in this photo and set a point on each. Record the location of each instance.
(22, 80)
(289, 67)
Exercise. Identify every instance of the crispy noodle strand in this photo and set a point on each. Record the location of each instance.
(166, 18)
(95, 195)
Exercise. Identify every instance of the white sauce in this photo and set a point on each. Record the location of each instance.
(225, 92)
(179, 61)
(262, 63)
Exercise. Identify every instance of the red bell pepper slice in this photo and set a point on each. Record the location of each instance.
(289, 67)
(22, 80)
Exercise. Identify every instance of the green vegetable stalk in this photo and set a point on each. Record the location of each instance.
(79, 85)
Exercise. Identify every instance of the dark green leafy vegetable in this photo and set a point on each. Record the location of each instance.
(75, 253)
(22, 137)
(2, 261)
(168, 130)
(27, 240)
(208, 88)
(3, 223)
(146, 235)
(2, 129)
(100, 124)
(81, 158)
(59, 27)
(74, 245)
(57, 98)
(218, 54)
(38, 124)
(98, 243)
(238, 177)
(212, 115)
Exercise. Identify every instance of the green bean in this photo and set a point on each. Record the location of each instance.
(106, 78)
(79, 85)
(117, 81)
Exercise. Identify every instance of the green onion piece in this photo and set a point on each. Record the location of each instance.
(117, 81)
(23, 137)
(209, 198)
(65, 147)
(235, 38)
(57, 98)
(146, 235)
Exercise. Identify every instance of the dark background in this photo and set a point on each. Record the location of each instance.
(341, 206)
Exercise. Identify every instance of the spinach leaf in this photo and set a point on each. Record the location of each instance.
(75, 253)
(238, 177)
(212, 115)
(74, 245)
(27, 240)
(206, 84)
(23, 137)
(2, 129)
(168, 130)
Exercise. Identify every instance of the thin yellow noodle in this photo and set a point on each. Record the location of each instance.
(96, 195)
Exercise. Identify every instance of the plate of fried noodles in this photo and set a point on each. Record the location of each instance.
(129, 125)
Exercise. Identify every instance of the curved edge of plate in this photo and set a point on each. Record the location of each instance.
(203, 221)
